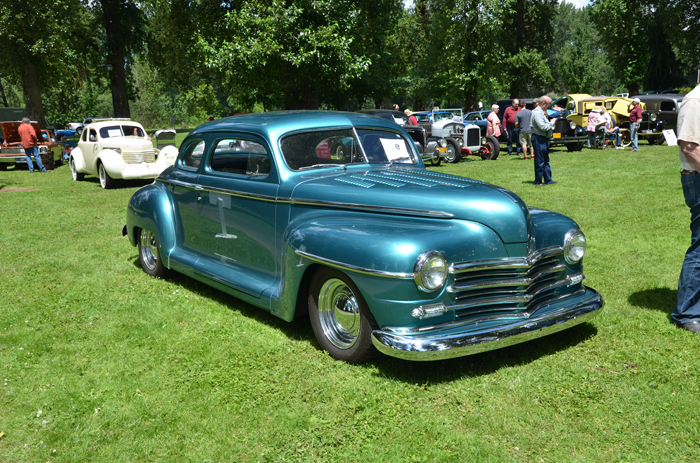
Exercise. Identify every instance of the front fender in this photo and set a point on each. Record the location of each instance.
(379, 253)
(113, 162)
(151, 208)
(78, 160)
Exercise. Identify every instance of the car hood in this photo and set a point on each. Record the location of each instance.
(416, 192)
(127, 143)
(10, 132)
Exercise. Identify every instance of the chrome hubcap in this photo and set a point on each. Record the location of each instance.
(149, 249)
(339, 313)
(450, 153)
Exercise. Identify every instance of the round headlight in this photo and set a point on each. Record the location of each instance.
(574, 246)
(443, 143)
(652, 117)
(461, 141)
(430, 271)
(572, 125)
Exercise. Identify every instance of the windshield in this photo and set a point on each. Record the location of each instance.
(113, 131)
(345, 146)
(447, 115)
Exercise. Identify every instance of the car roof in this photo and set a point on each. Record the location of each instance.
(113, 122)
(274, 124)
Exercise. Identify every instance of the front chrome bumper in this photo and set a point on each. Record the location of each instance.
(436, 346)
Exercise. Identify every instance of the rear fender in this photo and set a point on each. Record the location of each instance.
(78, 160)
(151, 208)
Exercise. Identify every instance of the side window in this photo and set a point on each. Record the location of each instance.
(241, 157)
(85, 135)
(93, 135)
(191, 155)
(668, 106)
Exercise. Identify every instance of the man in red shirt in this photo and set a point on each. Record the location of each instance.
(28, 136)
(513, 132)
(635, 121)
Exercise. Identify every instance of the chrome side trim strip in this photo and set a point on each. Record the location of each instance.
(437, 346)
(353, 268)
(365, 207)
(313, 202)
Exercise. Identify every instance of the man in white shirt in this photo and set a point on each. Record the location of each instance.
(687, 313)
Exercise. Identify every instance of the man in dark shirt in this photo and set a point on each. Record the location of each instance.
(509, 123)
(523, 123)
(635, 120)
(28, 136)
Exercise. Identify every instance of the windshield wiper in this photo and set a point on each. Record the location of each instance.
(321, 166)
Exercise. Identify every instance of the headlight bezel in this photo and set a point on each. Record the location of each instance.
(574, 246)
(653, 117)
(423, 266)
(572, 125)
(443, 143)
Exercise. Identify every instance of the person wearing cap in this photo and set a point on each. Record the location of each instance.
(411, 117)
(687, 312)
(512, 131)
(635, 121)
(27, 135)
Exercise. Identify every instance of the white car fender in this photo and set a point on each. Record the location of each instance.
(78, 159)
(113, 162)
(167, 156)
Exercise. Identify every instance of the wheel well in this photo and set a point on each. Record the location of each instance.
(302, 305)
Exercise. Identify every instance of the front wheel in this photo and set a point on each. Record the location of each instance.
(454, 151)
(578, 146)
(436, 158)
(77, 176)
(106, 182)
(494, 147)
(340, 318)
(149, 256)
(625, 137)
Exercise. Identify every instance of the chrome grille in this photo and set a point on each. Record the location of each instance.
(137, 157)
(510, 287)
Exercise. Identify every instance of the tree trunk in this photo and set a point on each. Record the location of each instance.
(115, 56)
(2, 92)
(31, 88)
(117, 84)
(303, 97)
(471, 97)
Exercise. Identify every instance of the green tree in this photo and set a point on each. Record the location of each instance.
(34, 34)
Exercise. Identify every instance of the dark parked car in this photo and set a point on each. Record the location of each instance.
(661, 113)
(477, 118)
(433, 149)
(334, 215)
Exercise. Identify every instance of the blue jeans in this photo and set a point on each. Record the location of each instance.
(688, 299)
(542, 170)
(28, 156)
(634, 126)
(514, 139)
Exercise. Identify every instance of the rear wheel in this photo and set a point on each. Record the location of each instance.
(454, 151)
(106, 182)
(340, 318)
(149, 256)
(77, 176)
(656, 140)
(578, 146)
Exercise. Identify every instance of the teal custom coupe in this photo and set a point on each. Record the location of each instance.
(334, 214)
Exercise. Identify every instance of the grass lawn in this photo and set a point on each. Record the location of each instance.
(99, 362)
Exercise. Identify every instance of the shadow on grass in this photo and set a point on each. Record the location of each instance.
(661, 299)
(120, 184)
(439, 371)
(442, 371)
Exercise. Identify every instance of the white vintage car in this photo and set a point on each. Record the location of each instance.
(118, 149)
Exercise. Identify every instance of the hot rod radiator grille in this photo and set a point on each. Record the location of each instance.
(511, 286)
(137, 157)
(473, 137)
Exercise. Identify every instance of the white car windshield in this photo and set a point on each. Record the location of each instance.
(332, 148)
(113, 131)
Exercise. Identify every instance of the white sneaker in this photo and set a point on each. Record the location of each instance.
(619, 148)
